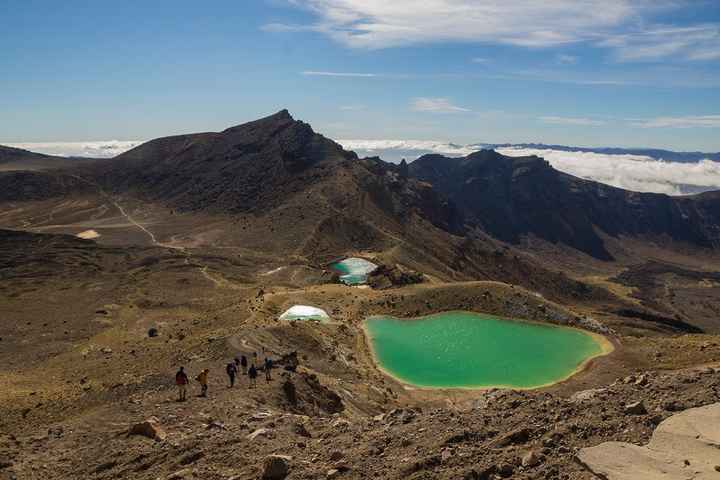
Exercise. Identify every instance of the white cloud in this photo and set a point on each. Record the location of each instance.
(352, 108)
(435, 105)
(98, 149)
(479, 60)
(313, 73)
(380, 24)
(704, 121)
(632, 172)
(695, 43)
(564, 59)
(625, 26)
(414, 148)
(572, 121)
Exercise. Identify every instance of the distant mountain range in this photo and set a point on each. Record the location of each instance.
(637, 169)
(657, 154)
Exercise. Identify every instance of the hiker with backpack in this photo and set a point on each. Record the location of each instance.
(231, 370)
(203, 379)
(268, 368)
(252, 375)
(181, 380)
(244, 364)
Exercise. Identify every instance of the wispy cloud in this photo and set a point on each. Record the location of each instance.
(625, 26)
(564, 59)
(703, 121)
(694, 43)
(352, 108)
(479, 60)
(435, 105)
(314, 73)
(571, 121)
(375, 24)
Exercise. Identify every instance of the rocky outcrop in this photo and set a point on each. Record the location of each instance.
(150, 428)
(388, 276)
(685, 446)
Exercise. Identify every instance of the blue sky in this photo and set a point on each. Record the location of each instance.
(577, 72)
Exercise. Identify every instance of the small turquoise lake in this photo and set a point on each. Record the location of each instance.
(470, 350)
(354, 271)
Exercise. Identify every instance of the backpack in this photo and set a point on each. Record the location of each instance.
(230, 369)
(181, 378)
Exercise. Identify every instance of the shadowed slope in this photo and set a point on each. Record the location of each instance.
(510, 198)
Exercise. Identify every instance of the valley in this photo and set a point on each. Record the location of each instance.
(209, 238)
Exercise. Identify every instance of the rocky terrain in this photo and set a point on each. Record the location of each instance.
(186, 249)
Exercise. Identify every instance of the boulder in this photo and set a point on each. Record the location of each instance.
(150, 428)
(264, 432)
(531, 459)
(587, 394)
(690, 438)
(635, 408)
(515, 437)
(276, 467)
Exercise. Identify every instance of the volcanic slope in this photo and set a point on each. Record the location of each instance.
(12, 159)
(511, 198)
(277, 189)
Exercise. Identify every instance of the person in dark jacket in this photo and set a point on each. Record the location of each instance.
(252, 375)
(244, 364)
(268, 369)
(231, 371)
(181, 380)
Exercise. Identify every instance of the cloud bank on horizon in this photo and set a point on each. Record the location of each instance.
(638, 173)
(96, 149)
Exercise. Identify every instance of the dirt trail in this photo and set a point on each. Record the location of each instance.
(219, 283)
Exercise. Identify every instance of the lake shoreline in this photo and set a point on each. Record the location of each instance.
(606, 345)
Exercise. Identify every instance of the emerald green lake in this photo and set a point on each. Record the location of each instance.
(464, 349)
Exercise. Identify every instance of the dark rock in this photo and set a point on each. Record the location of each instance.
(276, 467)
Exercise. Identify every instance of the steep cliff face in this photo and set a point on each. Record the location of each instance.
(512, 197)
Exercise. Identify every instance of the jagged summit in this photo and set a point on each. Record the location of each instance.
(277, 119)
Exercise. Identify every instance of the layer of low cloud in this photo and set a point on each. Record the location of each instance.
(631, 172)
(435, 105)
(98, 149)
(626, 27)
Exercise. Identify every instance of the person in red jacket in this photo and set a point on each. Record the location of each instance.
(181, 380)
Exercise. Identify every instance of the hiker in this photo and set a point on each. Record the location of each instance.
(252, 374)
(231, 370)
(203, 379)
(243, 364)
(237, 365)
(181, 380)
(268, 368)
(255, 359)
